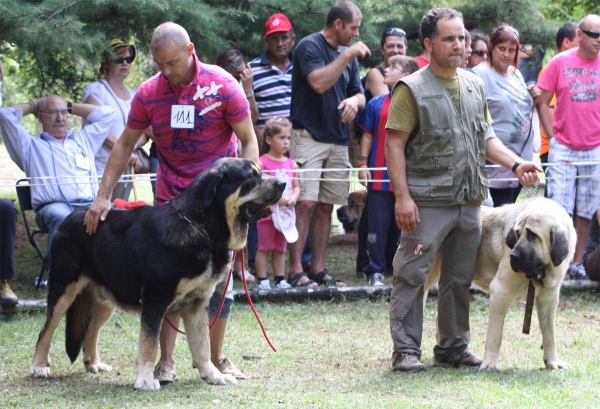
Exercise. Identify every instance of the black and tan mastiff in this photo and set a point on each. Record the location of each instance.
(152, 260)
(533, 239)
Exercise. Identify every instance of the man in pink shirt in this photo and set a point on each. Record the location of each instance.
(574, 133)
(194, 109)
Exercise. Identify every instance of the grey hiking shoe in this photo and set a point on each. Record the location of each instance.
(465, 358)
(407, 363)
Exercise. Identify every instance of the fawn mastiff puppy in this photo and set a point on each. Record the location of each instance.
(533, 239)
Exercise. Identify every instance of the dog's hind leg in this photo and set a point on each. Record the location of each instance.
(152, 316)
(195, 320)
(546, 303)
(59, 298)
(102, 311)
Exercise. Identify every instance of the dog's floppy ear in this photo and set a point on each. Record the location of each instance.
(511, 238)
(208, 185)
(559, 248)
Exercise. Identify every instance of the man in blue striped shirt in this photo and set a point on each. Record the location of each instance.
(272, 72)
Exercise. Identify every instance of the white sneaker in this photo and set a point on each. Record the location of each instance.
(263, 285)
(283, 284)
(376, 280)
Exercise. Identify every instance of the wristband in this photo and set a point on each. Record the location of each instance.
(69, 107)
(515, 166)
(250, 94)
(361, 163)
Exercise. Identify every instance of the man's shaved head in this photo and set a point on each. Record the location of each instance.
(169, 33)
(589, 20)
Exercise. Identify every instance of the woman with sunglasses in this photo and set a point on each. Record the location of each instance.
(511, 104)
(393, 42)
(111, 91)
(479, 46)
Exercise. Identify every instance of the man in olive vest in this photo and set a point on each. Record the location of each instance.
(439, 136)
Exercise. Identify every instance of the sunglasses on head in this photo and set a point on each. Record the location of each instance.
(509, 28)
(394, 32)
(589, 33)
(120, 60)
(479, 53)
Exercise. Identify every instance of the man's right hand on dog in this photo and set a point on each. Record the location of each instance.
(96, 213)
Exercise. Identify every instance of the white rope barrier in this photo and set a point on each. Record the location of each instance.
(9, 182)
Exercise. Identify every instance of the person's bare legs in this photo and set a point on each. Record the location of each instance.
(217, 340)
(303, 212)
(260, 264)
(217, 355)
(320, 230)
(278, 263)
(582, 227)
(168, 337)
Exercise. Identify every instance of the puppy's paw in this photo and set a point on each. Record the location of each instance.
(143, 384)
(556, 364)
(489, 365)
(39, 371)
(217, 378)
(97, 367)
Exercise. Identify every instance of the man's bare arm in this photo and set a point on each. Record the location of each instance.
(406, 210)
(324, 78)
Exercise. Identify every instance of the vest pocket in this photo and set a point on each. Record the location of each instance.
(440, 186)
(436, 142)
(480, 190)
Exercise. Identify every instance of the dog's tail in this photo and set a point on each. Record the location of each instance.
(79, 316)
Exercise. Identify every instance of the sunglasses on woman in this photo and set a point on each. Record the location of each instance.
(479, 53)
(120, 60)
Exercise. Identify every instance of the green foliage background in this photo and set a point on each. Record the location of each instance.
(55, 45)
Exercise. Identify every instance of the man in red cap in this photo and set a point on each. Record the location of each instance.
(272, 87)
(272, 72)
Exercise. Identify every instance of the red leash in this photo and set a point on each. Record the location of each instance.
(262, 327)
(212, 324)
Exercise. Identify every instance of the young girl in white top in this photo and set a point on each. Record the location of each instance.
(275, 231)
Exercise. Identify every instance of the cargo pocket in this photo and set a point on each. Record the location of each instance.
(436, 142)
(484, 185)
(418, 187)
(441, 186)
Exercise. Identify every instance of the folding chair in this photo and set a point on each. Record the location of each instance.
(24, 196)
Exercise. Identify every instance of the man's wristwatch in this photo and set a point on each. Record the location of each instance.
(69, 107)
(250, 94)
(515, 166)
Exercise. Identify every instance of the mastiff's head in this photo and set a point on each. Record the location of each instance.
(542, 239)
(234, 190)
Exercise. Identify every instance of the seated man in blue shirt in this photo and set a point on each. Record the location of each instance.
(60, 162)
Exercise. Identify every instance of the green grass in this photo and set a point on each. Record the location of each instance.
(330, 355)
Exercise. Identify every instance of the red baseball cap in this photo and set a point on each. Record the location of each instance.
(277, 23)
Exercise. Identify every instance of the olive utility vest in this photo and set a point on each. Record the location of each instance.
(445, 154)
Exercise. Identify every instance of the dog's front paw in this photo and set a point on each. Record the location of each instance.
(39, 371)
(556, 364)
(212, 376)
(489, 365)
(143, 384)
(97, 367)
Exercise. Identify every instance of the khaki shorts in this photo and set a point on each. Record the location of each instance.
(317, 186)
